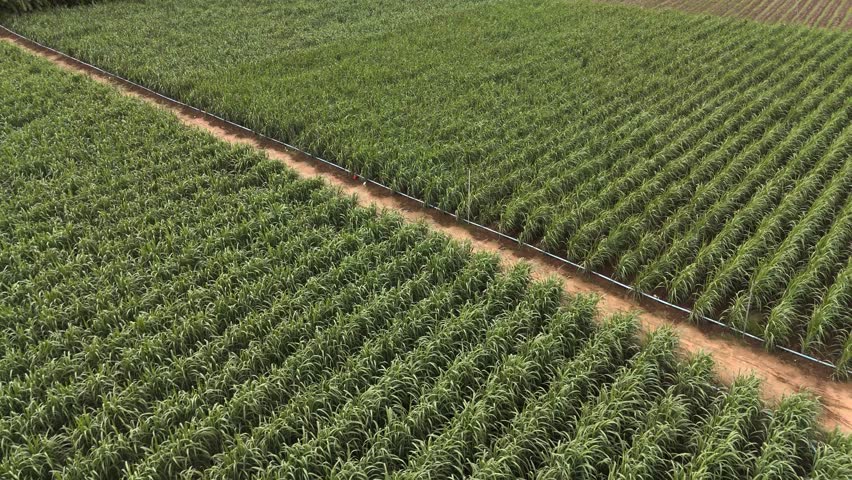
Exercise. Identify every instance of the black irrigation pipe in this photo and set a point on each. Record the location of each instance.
(605, 278)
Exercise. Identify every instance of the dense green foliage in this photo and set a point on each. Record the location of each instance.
(172, 306)
(28, 5)
(698, 158)
(816, 13)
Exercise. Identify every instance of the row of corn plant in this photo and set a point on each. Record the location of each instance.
(650, 244)
(807, 284)
(446, 452)
(816, 188)
(307, 366)
(725, 446)
(625, 151)
(248, 450)
(794, 249)
(673, 155)
(526, 441)
(29, 5)
(610, 418)
(628, 232)
(648, 281)
(389, 448)
(255, 324)
(165, 342)
(786, 452)
(676, 184)
(614, 113)
(209, 396)
(831, 458)
(155, 381)
(670, 422)
(815, 13)
(518, 218)
(272, 348)
(350, 429)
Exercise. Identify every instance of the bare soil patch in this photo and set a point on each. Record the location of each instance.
(782, 374)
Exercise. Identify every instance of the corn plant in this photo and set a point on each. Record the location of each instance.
(816, 14)
(606, 421)
(657, 158)
(29, 5)
(786, 452)
(390, 448)
(724, 447)
(831, 459)
(174, 307)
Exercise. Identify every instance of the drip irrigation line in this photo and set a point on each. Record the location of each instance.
(576, 266)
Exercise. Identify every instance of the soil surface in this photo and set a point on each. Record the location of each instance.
(782, 374)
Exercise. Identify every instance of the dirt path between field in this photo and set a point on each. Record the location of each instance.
(781, 374)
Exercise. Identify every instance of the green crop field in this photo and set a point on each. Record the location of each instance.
(29, 5)
(702, 159)
(175, 307)
(816, 13)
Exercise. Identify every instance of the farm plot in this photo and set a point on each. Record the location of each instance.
(28, 5)
(175, 307)
(815, 13)
(702, 159)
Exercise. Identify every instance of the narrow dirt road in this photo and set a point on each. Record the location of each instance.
(781, 374)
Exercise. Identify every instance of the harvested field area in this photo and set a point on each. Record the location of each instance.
(194, 309)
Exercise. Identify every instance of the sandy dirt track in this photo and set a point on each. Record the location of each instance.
(781, 374)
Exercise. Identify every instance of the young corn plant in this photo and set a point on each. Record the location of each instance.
(444, 454)
(536, 429)
(786, 452)
(390, 448)
(616, 413)
(723, 446)
(657, 444)
(274, 436)
(832, 458)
